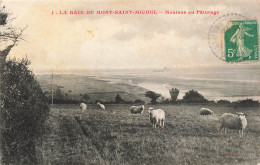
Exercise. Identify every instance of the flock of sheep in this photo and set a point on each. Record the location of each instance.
(157, 117)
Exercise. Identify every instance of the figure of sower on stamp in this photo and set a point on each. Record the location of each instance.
(241, 41)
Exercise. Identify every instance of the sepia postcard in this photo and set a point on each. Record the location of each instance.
(170, 82)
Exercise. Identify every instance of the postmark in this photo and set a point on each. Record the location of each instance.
(221, 28)
(241, 41)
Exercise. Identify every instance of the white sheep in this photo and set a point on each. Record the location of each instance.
(102, 107)
(157, 117)
(233, 121)
(137, 109)
(206, 111)
(83, 107)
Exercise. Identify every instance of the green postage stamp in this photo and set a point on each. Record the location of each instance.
(241, 41)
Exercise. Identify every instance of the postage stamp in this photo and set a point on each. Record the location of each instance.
(216, 33)
(241, 41)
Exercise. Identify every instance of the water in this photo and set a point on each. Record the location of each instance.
(214, 83)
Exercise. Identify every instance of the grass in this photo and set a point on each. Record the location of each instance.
(115, 136)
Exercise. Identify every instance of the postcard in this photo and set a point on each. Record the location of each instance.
(129, 82)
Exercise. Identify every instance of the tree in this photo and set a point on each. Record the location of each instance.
(23, 113)
(193, 96)
(153, 96)
(58, 93)
(174, 92)
(85, 97)
(118, 99)
(24, 107)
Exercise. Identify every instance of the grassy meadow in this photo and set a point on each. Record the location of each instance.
(115, 136)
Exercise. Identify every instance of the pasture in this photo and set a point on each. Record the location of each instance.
(115, 136)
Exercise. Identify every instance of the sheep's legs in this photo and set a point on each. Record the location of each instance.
(220, 130)
(241, 133)
(162, 123)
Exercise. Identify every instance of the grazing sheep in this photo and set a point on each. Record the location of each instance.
(233, 121)
(206, 111)
(137, 109)
(102, 107)
(157, 117)
(83, 107)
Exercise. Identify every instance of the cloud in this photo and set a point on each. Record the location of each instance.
(119, 41)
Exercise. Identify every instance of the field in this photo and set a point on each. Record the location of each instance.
(115, 136)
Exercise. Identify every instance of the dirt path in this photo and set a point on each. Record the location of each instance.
(67, 143)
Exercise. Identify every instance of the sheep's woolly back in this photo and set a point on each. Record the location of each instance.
(137, 109)
(83, 106)
(205, 111)
(157, 114)
(233, 121)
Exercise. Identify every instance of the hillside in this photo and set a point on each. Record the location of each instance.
(74, 85)
(115, 136)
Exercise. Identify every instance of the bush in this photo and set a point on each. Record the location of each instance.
(246, 102)
(193, 96)
(174, 92)
(139, 101)
(85, 98)
(24, 112)
(153, 96)
(223, 102)
(167, 101)
(119, 99)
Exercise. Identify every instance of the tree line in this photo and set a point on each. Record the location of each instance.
(191, 96)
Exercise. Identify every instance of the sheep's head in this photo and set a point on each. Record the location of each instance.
(150, 109)
(98, 103)
(241, 115)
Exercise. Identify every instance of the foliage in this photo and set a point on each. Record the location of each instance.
(193, 96)
(25, 109)
(58, 94)
(85, 97)
(174, 92)
(139, 101)
(246, 102)
(223, 102)
(3, 17)
(153, 96)
(119, 99)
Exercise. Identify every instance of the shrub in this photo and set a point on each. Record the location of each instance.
(193, 96)
(24, 112)
(223, 102)
(85, 97)
(174, 92)
(139, 101)
(119, 99)
(246, 102)
(153, 96)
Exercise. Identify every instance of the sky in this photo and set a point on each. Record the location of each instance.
(64, 42)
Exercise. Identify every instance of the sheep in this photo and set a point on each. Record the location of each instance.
(206, 111)
(157, 117)
(233, 121)
(137, 109)
(102, 107)
(83, 107)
